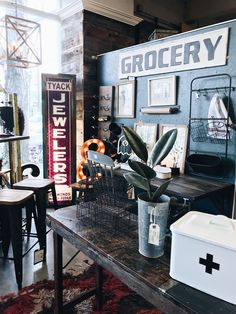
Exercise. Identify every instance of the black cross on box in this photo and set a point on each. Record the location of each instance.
(208, 262)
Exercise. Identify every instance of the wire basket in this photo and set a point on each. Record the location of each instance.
(198, 131)
(212, 131)
(110, 208)
(217, 132)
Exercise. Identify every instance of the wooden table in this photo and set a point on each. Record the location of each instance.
(15, 171)
(119, 255)
(196, 188)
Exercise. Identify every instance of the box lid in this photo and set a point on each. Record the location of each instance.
(216, 229)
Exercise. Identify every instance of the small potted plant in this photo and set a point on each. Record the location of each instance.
(176, 153)
(153, 206)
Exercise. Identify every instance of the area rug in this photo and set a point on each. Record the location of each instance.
(39, 297)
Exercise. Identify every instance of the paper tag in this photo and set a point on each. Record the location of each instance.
(38, 256)
(154, 234)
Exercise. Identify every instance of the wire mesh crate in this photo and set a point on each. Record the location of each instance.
(110, 206)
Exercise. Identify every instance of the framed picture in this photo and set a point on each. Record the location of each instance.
(125, 97)
(176, 157)
(147, 132)
(162, 91)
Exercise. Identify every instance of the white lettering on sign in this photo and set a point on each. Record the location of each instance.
(59, 133)
(59, 121)
(58, 86)
(58, 109)
(60, 178)
(198, 51)
(56, 146)
(59, 156)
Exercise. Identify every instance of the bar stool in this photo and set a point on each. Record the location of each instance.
(41, 188)
(11, 204)
(83, 189)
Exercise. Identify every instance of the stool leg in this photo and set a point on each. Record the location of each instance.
(28, 218)
(36, 221)
(41, 210)
(5, 231)
(54, 196)
(15, 216)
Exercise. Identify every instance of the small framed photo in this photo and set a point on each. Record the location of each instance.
(147, 132)
(177, 155)
(125, 99)
(162, 91)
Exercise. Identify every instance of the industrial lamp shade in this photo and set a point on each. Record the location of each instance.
(20, 42)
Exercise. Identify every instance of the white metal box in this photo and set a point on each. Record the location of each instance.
(203, 254)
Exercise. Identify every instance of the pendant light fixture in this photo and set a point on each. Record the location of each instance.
(20, 41)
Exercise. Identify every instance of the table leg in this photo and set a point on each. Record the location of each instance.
(12, 163)
(99, 284)
(58, 273)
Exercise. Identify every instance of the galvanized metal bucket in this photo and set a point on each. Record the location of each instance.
(152, 222)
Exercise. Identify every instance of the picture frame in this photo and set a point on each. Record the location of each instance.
(125, 99)
(162, 91)
(177, 156)
(147, 132)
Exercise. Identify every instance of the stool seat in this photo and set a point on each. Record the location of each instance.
(11, 204)
(14, 197)
(41, 188)
(33, 184)
(84, 189)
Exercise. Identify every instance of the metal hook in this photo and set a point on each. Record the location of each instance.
(198, 94)
(205, 93)
(225, 92)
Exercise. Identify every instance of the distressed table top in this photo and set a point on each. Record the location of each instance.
(194, 187)
(191, 187)
(148, 277)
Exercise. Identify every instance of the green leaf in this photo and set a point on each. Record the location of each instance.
(160, 190)
(162, 147)
(138, 181)
(142, 169)
(136, 143)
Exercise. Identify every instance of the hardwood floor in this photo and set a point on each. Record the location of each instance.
(33, 273)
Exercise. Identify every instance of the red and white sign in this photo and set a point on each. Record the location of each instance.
(58, 134)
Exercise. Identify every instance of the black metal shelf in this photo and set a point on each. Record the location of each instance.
(205, 133)
(201, 128)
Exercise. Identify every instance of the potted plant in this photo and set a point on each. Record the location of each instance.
(153, 206)
(176, 154)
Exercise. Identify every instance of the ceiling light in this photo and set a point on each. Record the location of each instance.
(20, 42)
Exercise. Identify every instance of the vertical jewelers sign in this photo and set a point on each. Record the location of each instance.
(59, 132)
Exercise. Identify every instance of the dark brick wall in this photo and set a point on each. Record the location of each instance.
(84, 36)
(101, 35)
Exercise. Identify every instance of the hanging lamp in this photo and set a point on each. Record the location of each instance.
(20, 42)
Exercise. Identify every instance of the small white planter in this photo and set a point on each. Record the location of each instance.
(152, 222)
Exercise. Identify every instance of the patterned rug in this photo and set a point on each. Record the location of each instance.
(39, 297)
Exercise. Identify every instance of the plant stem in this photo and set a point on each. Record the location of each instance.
(149, 191)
